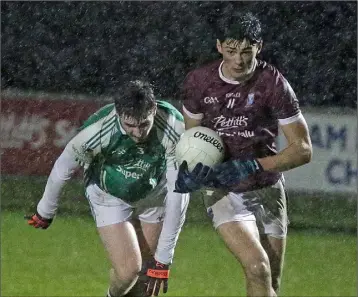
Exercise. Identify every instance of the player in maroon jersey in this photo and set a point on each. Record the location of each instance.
(245, 100)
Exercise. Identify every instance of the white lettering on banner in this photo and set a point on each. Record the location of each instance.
(16, 131)
(65, 132)
(334, 162)
(230, 123)
(211, 100)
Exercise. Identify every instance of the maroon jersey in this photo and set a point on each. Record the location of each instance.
(246, 115)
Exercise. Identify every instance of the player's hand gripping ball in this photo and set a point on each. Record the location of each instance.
(235, 171)
(188, 182)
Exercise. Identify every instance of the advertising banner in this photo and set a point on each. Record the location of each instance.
(334, 164)
(34, 131)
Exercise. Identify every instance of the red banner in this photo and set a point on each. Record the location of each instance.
(35, 130)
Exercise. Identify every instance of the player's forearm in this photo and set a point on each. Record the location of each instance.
(175, 211)
(294, 155)
(173, 222)
(62, 171)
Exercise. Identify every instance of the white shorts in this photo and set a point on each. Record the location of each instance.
(266, 206)
(108, 210)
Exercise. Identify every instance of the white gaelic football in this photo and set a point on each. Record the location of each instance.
(200, 144)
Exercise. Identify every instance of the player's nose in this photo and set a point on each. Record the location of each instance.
(237, 59)
(136, 132)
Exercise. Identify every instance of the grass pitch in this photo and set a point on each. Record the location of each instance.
(68, 260)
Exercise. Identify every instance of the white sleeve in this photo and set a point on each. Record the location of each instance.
(176, 204)
(78, 152)
(175, 209)
(62, 171)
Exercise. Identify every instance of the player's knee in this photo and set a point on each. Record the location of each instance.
(125, 274)
(258, 271)
(121, 281)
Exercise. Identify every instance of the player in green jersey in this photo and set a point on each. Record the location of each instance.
(127, 152)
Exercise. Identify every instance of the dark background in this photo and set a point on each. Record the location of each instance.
(91, 47)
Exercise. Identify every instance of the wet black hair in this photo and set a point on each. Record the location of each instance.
(242, 26)
(135, 99)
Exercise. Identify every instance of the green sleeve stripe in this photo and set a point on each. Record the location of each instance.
(171, 130)
(169, 127)
(99, 132)
(165, 127)
(160, 127)
(103, 180)
(102, 132)
(166, 132)
(98, 115)
(169, 108)
(86, 178)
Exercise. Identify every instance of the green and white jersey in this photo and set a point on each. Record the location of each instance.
(126, 170)
(117, 164)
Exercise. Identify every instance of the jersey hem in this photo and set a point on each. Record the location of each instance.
(291, 120)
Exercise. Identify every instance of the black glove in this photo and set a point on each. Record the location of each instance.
(235, 171)
(37, 221)
(188, 182)
(157, 275)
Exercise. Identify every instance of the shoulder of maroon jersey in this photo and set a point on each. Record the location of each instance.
(268, 70)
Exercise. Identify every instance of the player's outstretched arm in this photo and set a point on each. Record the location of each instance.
(175, 210)
(176, 205)
(78, 152)
(62, 171)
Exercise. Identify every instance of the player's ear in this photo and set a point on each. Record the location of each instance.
(218, 46)
(259, 47)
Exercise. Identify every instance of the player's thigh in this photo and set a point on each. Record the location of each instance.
(275, 249)
(112, 217)
(237, 226)
(243, 240)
